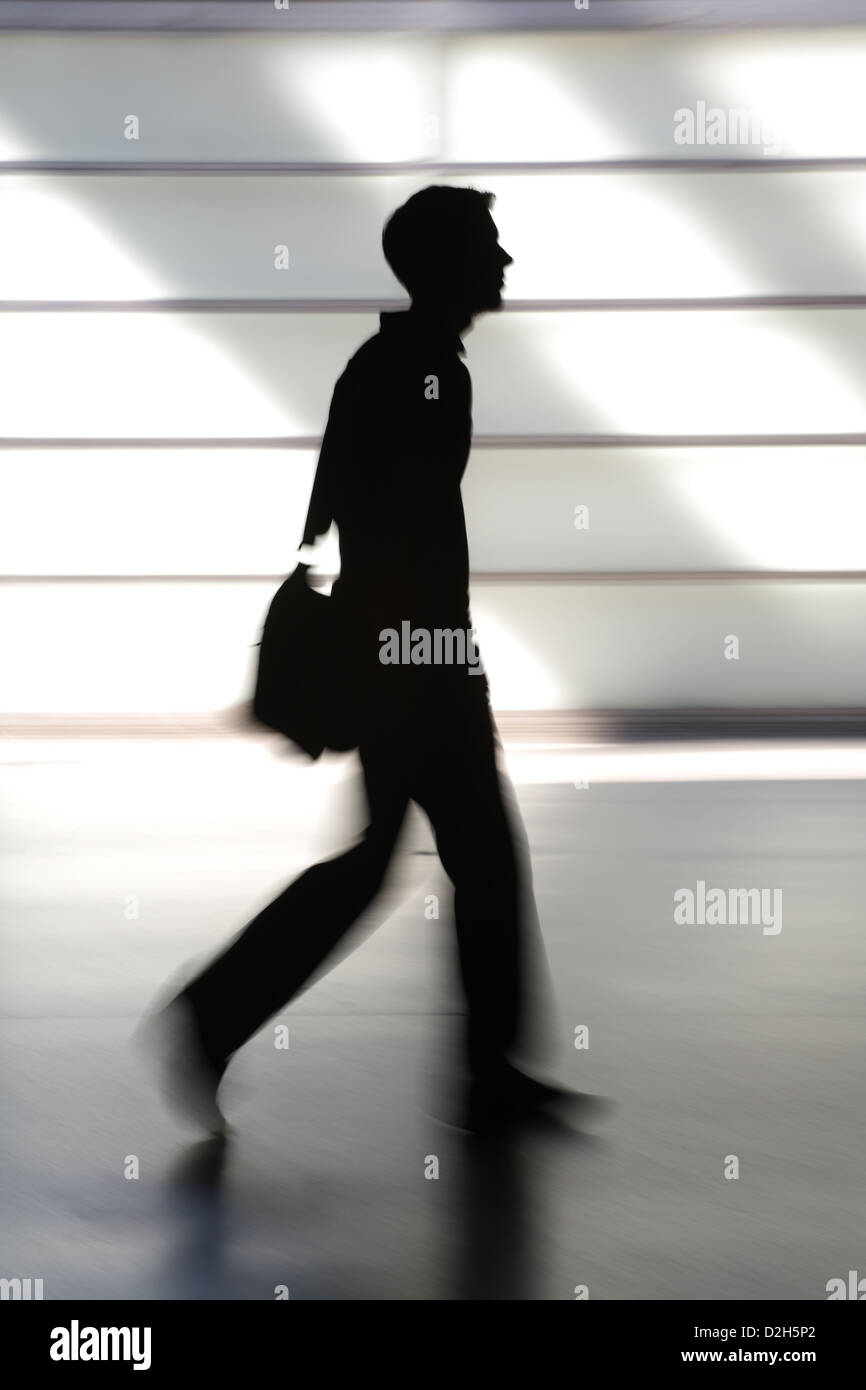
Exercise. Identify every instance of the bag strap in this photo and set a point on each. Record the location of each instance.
(320, 511)
(319, 518)
(308, 536)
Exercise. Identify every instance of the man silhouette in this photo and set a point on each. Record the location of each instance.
(393, 455)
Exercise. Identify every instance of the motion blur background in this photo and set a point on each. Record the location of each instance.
(682, 353)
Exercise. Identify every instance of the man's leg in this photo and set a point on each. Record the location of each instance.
(461, 791)
(282, 947)
(483, 848)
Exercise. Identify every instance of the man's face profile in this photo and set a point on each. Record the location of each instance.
(470, 272)
(482, 265)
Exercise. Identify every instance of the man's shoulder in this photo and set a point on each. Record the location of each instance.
(376, 365)
(388, 357)
(366, 365)
(380, 343)
(394, 376)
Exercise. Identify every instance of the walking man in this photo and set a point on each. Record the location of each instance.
(394, 452)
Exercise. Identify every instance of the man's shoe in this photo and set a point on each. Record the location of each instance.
(189, 1076)
(520, 1100)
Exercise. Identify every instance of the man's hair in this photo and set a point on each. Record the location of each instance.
(429, 228)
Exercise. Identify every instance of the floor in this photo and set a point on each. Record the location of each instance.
(731, 1165)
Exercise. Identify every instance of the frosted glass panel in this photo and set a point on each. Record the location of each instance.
(145, 511)
(209, 375)
(572, 236)
(667, 509)
(597, 96)
(241, 511)
(187, 647)
(383, 98)
(309, 98)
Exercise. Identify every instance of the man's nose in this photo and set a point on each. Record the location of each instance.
(506, 259)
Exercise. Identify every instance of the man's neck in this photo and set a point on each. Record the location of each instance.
(455, 320)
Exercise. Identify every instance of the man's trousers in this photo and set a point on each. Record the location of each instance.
(437, 748)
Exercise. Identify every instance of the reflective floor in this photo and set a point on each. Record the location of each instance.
(732, 1166)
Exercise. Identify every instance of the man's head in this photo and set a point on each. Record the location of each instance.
(443, 245)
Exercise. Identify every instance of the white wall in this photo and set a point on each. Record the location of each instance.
(705, 439)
